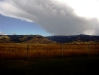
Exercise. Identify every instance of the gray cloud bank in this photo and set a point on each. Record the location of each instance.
(52, 16)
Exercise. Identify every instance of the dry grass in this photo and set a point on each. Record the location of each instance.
(43, 51)
(24, 51)
(13, 51)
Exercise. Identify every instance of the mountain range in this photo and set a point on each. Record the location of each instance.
(39, 39)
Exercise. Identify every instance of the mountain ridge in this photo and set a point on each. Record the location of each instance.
(39, 39)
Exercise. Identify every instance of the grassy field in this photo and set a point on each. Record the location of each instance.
(31, 51)
(51, 66)
(49, 59)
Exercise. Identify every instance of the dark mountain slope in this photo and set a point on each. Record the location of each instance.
(72, 38)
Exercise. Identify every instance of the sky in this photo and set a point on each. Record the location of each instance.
(49, 17)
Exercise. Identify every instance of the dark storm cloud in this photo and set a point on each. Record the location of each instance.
(51, 15)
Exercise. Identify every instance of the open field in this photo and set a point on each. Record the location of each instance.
(51, 66)
(53, 59)
(30, 51)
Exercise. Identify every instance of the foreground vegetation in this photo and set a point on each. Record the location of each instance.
(30, 51)
(51, 66)
(53, 59)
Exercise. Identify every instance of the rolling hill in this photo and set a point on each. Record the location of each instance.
(35, 39)
(38, 39)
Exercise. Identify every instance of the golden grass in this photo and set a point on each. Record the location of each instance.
(44, 50)
(24, 51)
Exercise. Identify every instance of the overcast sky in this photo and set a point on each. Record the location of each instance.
(49, 17)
